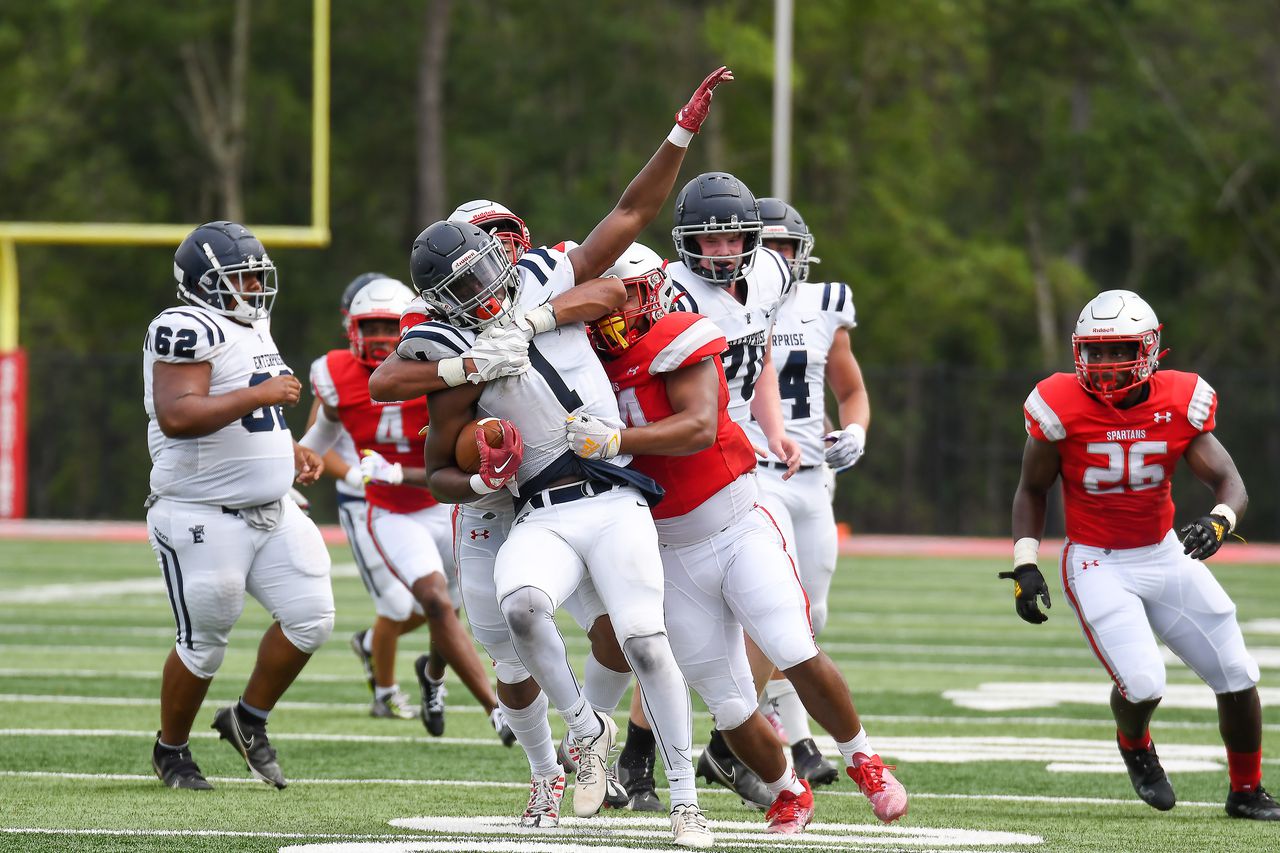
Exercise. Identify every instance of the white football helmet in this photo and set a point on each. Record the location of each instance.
(644, 273)
(1116, 317)
(380, 299)
(496, 220)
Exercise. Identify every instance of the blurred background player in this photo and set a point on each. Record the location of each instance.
(223, 461)
(410, 530)
(1114, 433)
(811, 352)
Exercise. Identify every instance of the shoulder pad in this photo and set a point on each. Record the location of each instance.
(183, 335)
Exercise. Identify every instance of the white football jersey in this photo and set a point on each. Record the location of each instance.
(746, 327)
(565, 376)
(250, 460)
(802, 335)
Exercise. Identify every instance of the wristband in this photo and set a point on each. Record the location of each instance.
(354, 477)
(479, 486)
(858, 431)
(680, 137)
(542, 318)
(453, 371)
(1226, 512)
(1026, 551)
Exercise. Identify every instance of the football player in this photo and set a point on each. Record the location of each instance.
(811, 351)
(1114, 433)
(223, 461)
(724, 560)
(410, 529)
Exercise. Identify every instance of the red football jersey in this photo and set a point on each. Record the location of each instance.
(388, 428)
(1117, 464)
(675, 341)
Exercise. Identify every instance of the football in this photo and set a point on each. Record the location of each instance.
(466, 452)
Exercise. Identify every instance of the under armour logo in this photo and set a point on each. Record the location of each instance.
(1085, 564)
(479, 534)
(197, 534)
(1163, 417)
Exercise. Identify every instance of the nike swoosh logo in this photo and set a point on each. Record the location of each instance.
(726, 772)
(500, 468)
(810, 320)
(235, 724)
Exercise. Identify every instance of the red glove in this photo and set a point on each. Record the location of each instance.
(499, 464)
(694, 113)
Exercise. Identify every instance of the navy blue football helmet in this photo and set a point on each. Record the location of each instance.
(223, 267)
(783, 222)
(716, 203)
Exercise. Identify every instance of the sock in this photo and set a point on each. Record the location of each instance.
(533, 733)
(366, 641)
(582, 720)
(788, 781)
(795, 719)
(858, 745)
(682, 791)
(1141, 743)
(1245, 769)
(251, 713)
(180, 748)
(380, 692)
(639, 749)
(602, 686)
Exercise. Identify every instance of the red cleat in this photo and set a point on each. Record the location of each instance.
(791, 813)
(888, 797)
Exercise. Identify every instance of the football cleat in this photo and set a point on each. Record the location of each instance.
(366, 659)
(790, 813)
(888, 797)
(1252, 805)
(433, 694)
(1148, 778)
(689, 828)
(719, 766)
(395, 706)
(591, 784)
(615, 796)
(545, 794)
(499, 722)
(566, 754)
(177, 769)
(637, 779)
(811, 765)
(249, 738)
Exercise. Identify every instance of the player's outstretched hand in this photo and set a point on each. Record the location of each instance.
(845, 447)
(307, 464)
(1202, 538)
(498, 465)
(592, 438)
(1028, 584)
(376, 469)
(283, 390)
(498, 352)
(694, 113)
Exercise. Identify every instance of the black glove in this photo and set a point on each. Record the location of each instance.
(1202, 538)
(1027, 584)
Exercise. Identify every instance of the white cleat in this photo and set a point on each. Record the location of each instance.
(591, 784)
(689, 828)
(545, 794)
(396, 706)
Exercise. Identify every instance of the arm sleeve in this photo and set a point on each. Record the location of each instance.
(323, 435)
(182, 336)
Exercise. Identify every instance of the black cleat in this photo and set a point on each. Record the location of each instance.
(1252, 805)
(719, 766)
(366, 659)
(1148, 777)
(177, 769)
(637, 780)
(811, 765)
(615, 796)
(249, 737)
(432, 698)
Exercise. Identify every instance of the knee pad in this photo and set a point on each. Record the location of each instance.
(1239, 674)
(818, 617)
(647, 654)
(526, 611)
(510, 672)
(730, 702)
(1144, 686)
(396, 603)
(310, 634)
(202, 661)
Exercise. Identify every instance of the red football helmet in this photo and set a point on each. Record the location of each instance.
(644, 274)
(380, 299)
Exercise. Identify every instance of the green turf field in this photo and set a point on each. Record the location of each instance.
(84, 629)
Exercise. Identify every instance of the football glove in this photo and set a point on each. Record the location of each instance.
(498, 465)
(845, 447)
(376, 469)
(1202, 538)
(539, 320)
(1028, 583)
(498, 351)
(592, 438)
(694, 113)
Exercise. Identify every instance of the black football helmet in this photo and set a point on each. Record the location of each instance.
(463, 274)
(783, 222)
(212, 265)
(352, 289)
(716, 203)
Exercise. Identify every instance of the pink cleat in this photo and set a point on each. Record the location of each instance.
(888, 797)
(790, 813)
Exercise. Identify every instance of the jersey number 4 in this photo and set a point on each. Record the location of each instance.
(1141, 475)
(792, 385)
(391, 429)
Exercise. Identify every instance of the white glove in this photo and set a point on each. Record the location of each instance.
(592, 438)
(354, 477)
(845, 446)
(376, 469)
(539, 320)
(498, 352)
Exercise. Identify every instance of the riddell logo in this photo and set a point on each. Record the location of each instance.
(465, 259)
(1105, 330)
